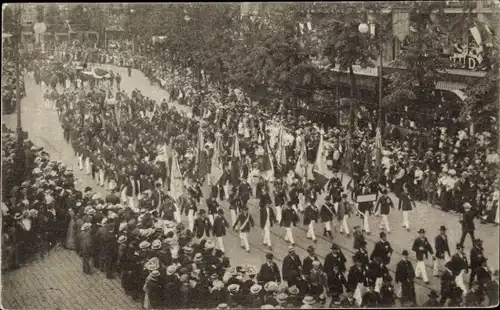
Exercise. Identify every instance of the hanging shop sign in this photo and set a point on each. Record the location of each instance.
(471, 57)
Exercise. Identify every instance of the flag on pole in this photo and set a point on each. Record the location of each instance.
(235, 160)
(176, 179)
(281, 159)
(216, 169)
(320, 169)
(267, 167)
(378, 148)
(301, 165)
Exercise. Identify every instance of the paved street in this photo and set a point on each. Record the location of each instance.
(61, 271)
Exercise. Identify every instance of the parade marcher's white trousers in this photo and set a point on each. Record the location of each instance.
(378, 284)
(123, 196)
(302, 198)
(88, 166)
(439, 263)
(289, 235)
(358, 294)
(220, 243)
(366, 223)
(80, 161)
(233, 215)
(278, 213)
(226, 190)
(459, 281)
(406, 220)
(420, 270)
(343, 225)
(244, 240)
(310, 231)
(294, 207)
(190, 217)
(101, 180)
(177, 215)
(211, 219)
(267, 234)
(328, 226)
(384, 221)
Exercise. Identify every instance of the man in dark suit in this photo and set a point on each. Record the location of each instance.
(356, 278)
(157, 196)
(202, 225)
(460, 267)
(112, 198)
(476, 258)
(492, 290)
(448, 284)
(212, 206)
(335, 257)
(219, 228)
(405, 275)
(382, 249)
(291, 267)
(267, 220)
(422, 249)
(405, 204)
(442, 248)
(245, 191)
(467, 221)
(307, 263)
(269, 271)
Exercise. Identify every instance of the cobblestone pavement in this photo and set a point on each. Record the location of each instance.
(57, 282)
(44, 130)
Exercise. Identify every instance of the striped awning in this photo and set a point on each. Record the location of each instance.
(450, 86)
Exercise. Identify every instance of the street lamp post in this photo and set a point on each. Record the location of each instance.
(364, 28)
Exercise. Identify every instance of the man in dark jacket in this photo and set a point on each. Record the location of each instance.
(307, 263)
(219, 228)
(476, 258)
(267, 220)
(422, 249)
(405, 275)
(405, 204)
(86, 247)
(202, 225)
(291, 267)
(108, 248)
(467, 221)
(382, 249)
(442, 248)
(269, 271)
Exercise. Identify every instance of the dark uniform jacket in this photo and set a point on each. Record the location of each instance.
(459, 263)
(327, 212)
(356, 275)
(422, 248)
(385, 204)
(289, 218)
(441, 245)
(332, 259)
(267, 213)
(476, 257)
(383, 250)
(307, 263)
(311, 213)
(246, 222)
(220, 225)
(404, 272)
(269, 273)
(202, 226)
(291, 267)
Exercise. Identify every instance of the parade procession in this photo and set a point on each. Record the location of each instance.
(250, 155)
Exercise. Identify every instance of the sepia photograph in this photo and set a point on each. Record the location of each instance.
(250, 155)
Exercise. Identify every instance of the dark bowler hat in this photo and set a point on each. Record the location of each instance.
(442, 228)
(421, 231)
(404, 253)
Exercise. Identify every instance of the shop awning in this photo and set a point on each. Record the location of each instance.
(456, 88)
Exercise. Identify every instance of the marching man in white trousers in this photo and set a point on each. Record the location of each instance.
(219, 229)
(385, 203)
(267, 220)
(460, 267)
(289, 220)
(405, 205)
(442, 249)
(245, 223)
(422, 249)
(311, 216)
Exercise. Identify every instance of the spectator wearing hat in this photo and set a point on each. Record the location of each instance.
(289, 219)
(308, 301)
(476, 259)
(371, 298)
(382, 249)
(267, 220)
(245, 222)
(356, 279)
(291, 267)
(343, 213)
(269, 271)
(348, 301)
(432, 302)
(405, 205)
(202, 225)
(474, 297)
(335, 257)
(317, 279)
(218, 294)
(172, 288)
(108, 249)
(327, 213)
(385, 203)
(308, 261)
(492, 290)
(405, 275)
(86, 247)
(422, 249)
(336, 284)
(467, 221)
(443, 254)
(154, 291)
